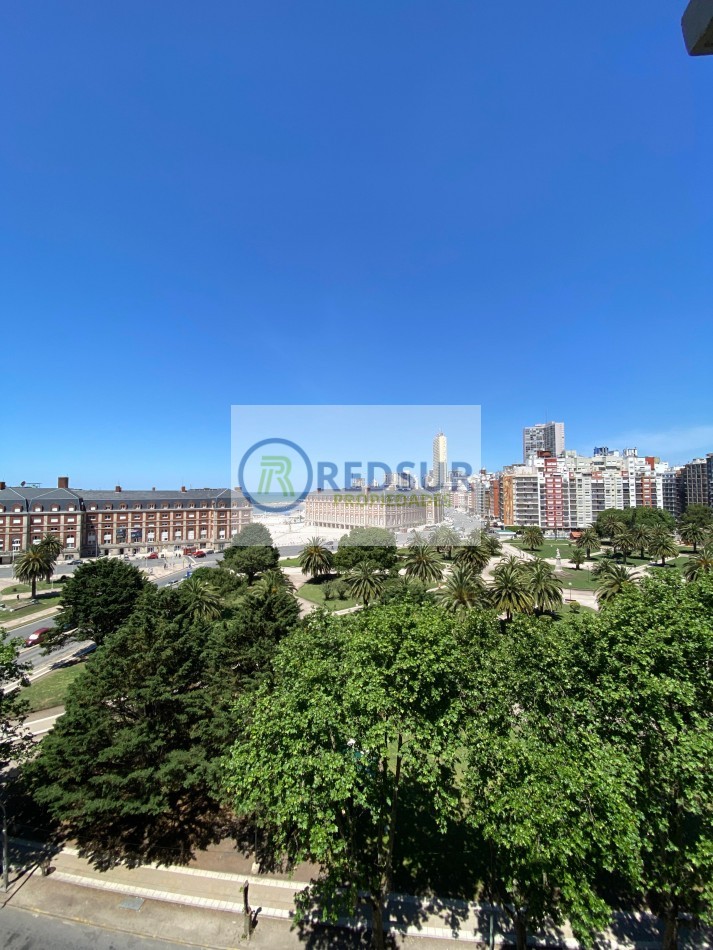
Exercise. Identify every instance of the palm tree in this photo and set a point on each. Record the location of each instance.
(699, 564)
(693, 534)
(640, 537)
(463, 588)
(199, 600)
(476, 557)
(53, 548)
(623, 541)
(532, 537)
(589, 540)
(445, 539)
(32, 566)
(423, 563)
(364, 585)
(544, 585)
(490, 543)
(614, 578)
(510, 589)
(315, 558)
(607, 523)
(577, 557)
(273, 581)
(662, 545)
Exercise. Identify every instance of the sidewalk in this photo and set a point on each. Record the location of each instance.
(204, 907)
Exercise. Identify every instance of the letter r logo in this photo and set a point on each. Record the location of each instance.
(279, 466)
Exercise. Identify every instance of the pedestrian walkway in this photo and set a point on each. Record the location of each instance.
(415, 921)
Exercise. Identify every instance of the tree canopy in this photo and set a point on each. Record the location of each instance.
(96, 600)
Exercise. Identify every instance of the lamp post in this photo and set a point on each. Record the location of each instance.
(5, 859)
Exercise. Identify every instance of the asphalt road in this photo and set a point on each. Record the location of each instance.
(24, 930)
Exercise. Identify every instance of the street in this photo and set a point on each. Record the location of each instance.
(25, 931)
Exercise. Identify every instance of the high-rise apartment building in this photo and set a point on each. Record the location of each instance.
(440, 461)
(696, 479)
(545, 437)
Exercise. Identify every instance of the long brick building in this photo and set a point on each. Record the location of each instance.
(107, 522)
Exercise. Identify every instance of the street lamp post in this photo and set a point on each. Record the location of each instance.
(5, 858)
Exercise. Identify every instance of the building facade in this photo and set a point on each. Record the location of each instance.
(395, 510)
(440, 461)
(117, 522)
(545, 437)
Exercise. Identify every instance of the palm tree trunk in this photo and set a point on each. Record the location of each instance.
(34, 588)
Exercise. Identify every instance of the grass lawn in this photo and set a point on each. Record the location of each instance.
(289, 562)
(314, 591)
(26, 588)
(566, 609)
(548, 549)
(7, 616)
(580, 580)
(49, 690)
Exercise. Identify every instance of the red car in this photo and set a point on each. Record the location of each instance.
(198, 554)
(37, 636)
(152, 556)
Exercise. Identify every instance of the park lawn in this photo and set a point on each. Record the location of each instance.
(314, 592)
(548, 549)
(10, 615)
(289, 562)
(49, 690)
(580, 580)
(26, 588)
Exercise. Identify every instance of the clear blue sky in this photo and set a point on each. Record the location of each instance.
(212, 203)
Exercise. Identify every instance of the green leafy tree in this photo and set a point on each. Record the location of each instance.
(532, 537)
(96, 600)
(423, 563)
(315, 559)
(325, 756)
(589, 541)
(510, 590)
(463, 589)
(699, 515)
(544, 585)
(402, 589)
(251, 560)
(662, 545)
(550, 798)
(33, 565)
(126, 769)
(253, 535)
(376, 545)
(365, 582)
(15, 742)
(273, 581)
(649, 660)
(577, 557)
(612, 579)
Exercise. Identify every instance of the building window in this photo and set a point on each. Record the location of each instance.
(39, 508)
(92, 507)
(55, 507)
(54, 520)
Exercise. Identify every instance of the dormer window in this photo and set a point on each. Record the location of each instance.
(38, 507)
(55, 507)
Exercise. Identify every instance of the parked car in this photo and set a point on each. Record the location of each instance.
(210, 551)
(153, 556)
(75, 560)
(199, 554)
(37, 636)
